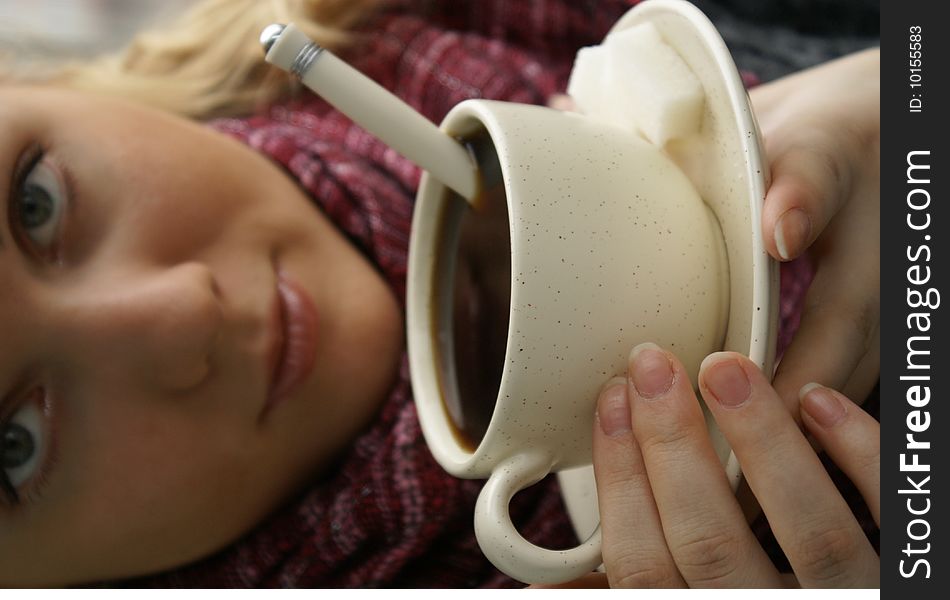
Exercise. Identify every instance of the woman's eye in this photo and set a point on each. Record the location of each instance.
(41, 204)
(21, 444)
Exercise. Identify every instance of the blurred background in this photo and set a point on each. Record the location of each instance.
(767, 37)
(54, 29)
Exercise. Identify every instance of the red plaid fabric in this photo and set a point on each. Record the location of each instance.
(388, 515)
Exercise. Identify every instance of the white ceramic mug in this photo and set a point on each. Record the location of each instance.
(592, 242)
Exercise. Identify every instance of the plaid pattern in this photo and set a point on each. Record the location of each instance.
(388, 515)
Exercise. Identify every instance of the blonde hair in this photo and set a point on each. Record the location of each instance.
(209, 62)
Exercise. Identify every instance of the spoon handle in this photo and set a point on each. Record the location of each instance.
(373, 107)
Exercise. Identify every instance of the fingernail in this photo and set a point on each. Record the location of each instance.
(795, 226)
(650, 370)
(726, 380)
(821, 405)
(613, 409)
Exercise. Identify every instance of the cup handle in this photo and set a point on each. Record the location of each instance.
(506, 548)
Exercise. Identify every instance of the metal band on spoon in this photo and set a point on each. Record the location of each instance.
(305, 56)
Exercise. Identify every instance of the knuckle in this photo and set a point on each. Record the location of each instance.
(859, 140)
(836, 174)
(869, 461)
(807, 195)
(861, 320)
(622, 488)
(634, 570)
(666, 443)
(826, 553)
(857, 322)
(825, 149)
(709, 558)
(817, 178)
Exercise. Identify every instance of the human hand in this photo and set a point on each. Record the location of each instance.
(668, 515)
(822, 138)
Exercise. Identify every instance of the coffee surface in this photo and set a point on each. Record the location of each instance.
(479, 287)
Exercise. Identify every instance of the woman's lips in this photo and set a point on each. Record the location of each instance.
(294, 326)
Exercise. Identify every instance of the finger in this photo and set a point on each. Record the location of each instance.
(704, 527)
(838, 329)
(810, 182)
(866, 375)
(634, 549)
(589, 581)
(562, 102)
(842, 306)
(811, 521)
(850, 436)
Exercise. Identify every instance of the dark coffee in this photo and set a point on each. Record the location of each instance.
(474, 287)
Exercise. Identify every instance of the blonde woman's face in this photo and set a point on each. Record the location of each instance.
(141, 334)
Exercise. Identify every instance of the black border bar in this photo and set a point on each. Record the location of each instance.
(915, 168)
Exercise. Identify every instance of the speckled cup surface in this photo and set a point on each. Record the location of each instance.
(610, 246)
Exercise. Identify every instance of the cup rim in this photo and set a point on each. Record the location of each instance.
(424, 247)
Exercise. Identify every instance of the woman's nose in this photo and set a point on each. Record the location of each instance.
(159, 327)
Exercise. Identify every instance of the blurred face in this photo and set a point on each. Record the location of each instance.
(184, 339)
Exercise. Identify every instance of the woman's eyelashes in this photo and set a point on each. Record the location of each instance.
(39, 206)
(22, 444)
